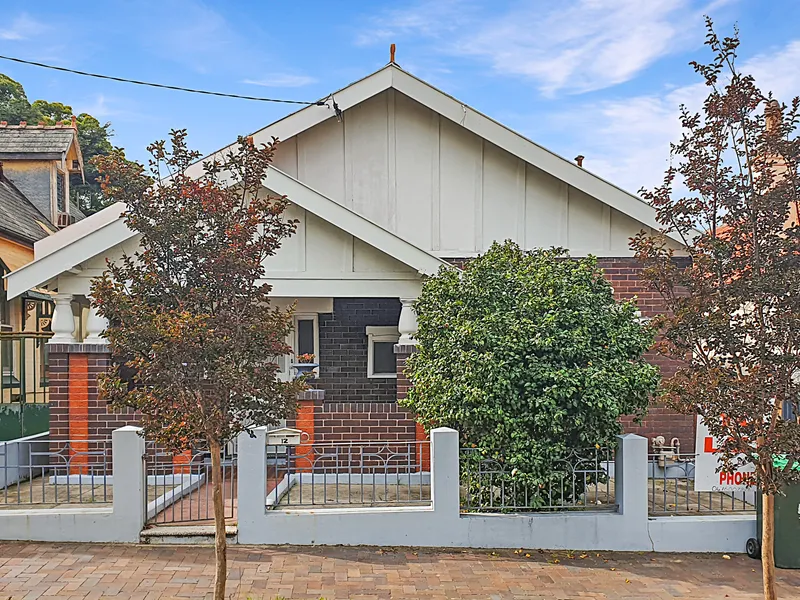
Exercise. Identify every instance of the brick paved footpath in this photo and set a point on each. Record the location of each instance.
(73, 571)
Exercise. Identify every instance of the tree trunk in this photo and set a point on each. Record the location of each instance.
(220, 542)
(768, 545)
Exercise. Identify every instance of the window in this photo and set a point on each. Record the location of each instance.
(61, 192)
(380, 352)
(306, 343)
(4, 320)
(304, 339)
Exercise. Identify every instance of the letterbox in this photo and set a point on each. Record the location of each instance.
(285, 436)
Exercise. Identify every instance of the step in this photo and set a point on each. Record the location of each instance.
(183, 535)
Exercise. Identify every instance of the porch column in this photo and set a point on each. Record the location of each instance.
(63, 325)
(95, 326)
(407, 325)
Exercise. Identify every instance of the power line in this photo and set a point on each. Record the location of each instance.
(159, 85)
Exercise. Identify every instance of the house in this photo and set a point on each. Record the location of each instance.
(21, 225)
(35, 165)
(398, 181)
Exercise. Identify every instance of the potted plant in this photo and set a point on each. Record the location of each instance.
(304, 365)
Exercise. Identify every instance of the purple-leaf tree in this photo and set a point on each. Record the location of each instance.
(189, 312)
(733, 320)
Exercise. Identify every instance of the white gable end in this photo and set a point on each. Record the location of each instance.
(319, 249)
(444, 188)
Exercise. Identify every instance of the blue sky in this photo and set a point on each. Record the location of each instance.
(602, 78)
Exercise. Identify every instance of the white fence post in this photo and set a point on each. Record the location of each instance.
(127, 451)
(444, 472)
(630, 478)
(252, 483)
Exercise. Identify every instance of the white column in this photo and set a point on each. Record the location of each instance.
(444, 473)
(95, 326)
(407, 326)
(251, 463)
(127, 448)
(63, 325)
(630, 477)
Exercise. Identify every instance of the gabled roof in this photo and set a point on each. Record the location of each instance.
(18, 217)
(106, 229)
(392, 76)
(45, 141)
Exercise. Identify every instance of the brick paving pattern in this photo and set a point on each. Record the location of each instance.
(88, 572)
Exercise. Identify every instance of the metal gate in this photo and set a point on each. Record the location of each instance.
(179, 487)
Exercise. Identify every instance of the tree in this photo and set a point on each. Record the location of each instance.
(530, 358)
(734, 313)
(189, 311)
(93, 137)
(52, 112)
(94, 140)
(14, 104)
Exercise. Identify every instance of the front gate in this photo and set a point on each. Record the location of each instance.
(179, 487)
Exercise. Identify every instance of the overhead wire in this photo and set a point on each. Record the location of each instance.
(160, 85)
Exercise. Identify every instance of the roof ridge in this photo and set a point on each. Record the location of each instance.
(72, 125)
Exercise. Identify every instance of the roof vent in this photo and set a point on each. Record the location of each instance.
(65, 219)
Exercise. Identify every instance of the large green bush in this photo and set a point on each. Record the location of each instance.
(530, 358)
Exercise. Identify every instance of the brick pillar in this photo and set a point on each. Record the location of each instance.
(423, 450)
(307, 402)
(74, 408)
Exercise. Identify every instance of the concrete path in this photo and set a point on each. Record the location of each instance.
(81, 571)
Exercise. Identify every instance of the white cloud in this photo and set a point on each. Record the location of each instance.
(282, 80)
(22, 28)
(776, 71)
(428, 19)
(575, 46)
(626, 140)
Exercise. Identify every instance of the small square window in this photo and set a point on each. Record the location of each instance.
(381, 361)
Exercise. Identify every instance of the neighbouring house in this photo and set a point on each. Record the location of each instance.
(399, 181)
(35, 164)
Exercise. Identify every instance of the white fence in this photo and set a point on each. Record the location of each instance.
(437, 522)
(120, 522)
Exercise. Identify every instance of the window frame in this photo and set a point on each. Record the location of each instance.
(292, 341)
(296, 333)
(384, 334)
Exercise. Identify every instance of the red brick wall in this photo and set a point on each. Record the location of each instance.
(75, 411)
(625, 277)
(363, 421)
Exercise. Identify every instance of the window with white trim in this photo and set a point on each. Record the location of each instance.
(304, 339)
(381, 361)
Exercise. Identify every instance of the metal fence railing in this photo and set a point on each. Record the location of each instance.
(577, 480)
(40, 471)
(671, 489)
(179, 486)
(23, 368)
(363, 473)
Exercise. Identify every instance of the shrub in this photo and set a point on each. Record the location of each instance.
(530, 358)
